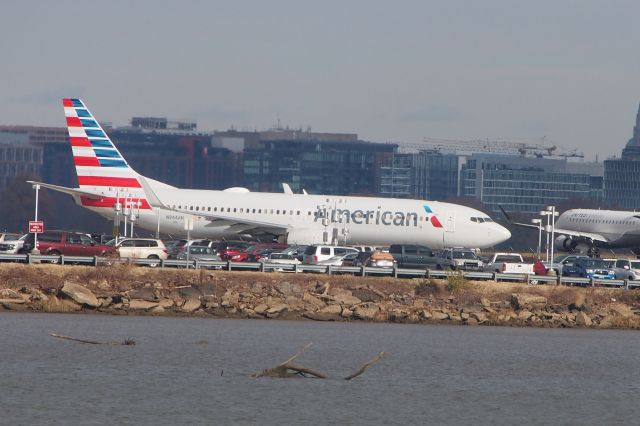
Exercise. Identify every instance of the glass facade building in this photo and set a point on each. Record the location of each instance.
(317, 166)
(521, 184)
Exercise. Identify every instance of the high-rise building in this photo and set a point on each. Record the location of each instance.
(621, 184)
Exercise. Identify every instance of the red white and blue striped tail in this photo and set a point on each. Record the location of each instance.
(99, 164)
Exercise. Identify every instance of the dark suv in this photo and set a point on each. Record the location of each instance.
(413, 256)
(67, 243)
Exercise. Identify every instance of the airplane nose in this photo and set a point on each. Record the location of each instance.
(500, 233)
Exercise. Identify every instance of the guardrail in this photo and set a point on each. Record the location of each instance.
(322, 269)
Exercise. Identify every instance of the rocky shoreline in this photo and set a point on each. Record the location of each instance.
(132, 290)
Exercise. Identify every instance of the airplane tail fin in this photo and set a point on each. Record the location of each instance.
(100, 167)
(506, 216)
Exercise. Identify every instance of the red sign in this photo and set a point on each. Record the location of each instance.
(36, 227)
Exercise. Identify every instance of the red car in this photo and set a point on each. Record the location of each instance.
(255, 252)
(68, 243)
(226, 249)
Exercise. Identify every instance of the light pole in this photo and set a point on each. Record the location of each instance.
(547, 230)
(551, 214)
(539, 223)
(35, 234)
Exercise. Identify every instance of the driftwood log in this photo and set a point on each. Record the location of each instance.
(127, 342)
(287, 369)
(365, 366)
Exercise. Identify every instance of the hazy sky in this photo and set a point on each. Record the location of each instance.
(387, 70)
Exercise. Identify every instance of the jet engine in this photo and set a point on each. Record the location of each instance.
(304, 236)
(565, 243)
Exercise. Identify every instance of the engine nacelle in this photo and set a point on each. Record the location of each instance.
(304, 236)
(565, 243)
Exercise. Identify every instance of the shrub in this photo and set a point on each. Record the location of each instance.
(456, 282)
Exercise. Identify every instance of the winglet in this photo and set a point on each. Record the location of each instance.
(287, 188)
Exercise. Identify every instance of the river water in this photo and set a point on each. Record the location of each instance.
(197, 371)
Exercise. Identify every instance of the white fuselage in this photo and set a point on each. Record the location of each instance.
(320, 218)
(620, 228)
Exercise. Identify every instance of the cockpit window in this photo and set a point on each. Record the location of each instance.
(474, 219)
(488, 219)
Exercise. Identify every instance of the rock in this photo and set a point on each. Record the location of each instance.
(314, 301)
(578, 302)
(230, 298)
(261, 308)
(166, 303)
(455, 317)
(366, 312)
(80, 294)
(7, 293)
(480, 317)
(277, 309)
(419, 303)
(622, 310)
(485, 302)
(157, 310)
(141, 304)
(191, 305)
(583, 319)
(367, 295)
(346, 299)
(464, 316)
(145, 293)
(346, 313)
(331, 309)
(426, 314)
(286, 288)
(528, 301)
(439, 316)
(471, 321)
(524, 315)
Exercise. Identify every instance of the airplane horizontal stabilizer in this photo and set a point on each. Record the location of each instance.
(70, 191)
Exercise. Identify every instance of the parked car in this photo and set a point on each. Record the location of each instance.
(297, 251)
(279, 258)
(174, 247)
(140, 248)
(625, 269)
(9, 236)
(256, 251)
(376, 259)
(260, 251)
(459, 259)
(413, 256)
(11, 246)
(316, 253)
(226, 249)
(346, 259)
(66, 243)
(200, 253)
(588, 268)
(564, 259)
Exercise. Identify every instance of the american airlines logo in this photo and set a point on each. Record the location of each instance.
(360, 217)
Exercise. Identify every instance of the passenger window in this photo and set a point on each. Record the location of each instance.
(340, 251)
(410, 250)
(127, 243)
(325, 250)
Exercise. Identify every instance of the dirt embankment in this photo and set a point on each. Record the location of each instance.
(143, 291)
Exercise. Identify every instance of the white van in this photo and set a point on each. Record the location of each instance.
(313, 254)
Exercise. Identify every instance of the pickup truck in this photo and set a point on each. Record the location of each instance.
(508, 263)
(458, 258)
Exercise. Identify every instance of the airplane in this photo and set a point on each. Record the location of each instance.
(587, 230)
(109, 186)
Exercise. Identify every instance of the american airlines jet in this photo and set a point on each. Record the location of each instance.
(105, 180)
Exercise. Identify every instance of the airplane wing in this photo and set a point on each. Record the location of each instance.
(238, 225)
(70, 191)
(560, 231)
